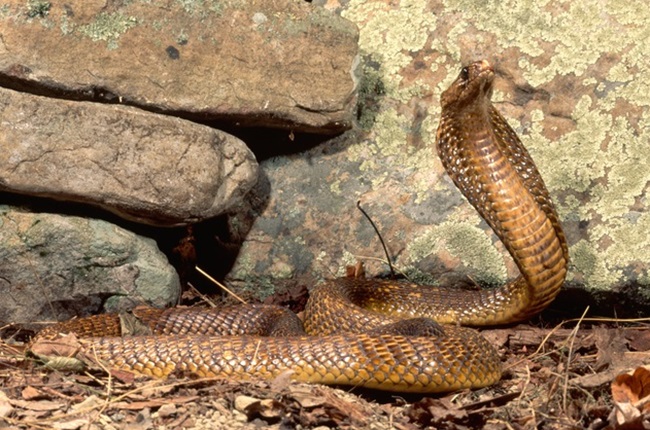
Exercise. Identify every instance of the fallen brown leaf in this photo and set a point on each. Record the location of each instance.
(631, 396)
(31, 393)
(639, 340)
(39, 405)
(358, 271)
(631, 388)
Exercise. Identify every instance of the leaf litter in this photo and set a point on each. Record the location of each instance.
(585, 374)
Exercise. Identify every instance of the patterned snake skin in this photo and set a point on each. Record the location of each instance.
(348, 342)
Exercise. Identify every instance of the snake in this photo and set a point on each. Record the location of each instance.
(381, 334)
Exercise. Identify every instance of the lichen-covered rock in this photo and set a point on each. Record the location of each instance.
(282, 63)
(143, 166)
(55, 266)
(573, 79)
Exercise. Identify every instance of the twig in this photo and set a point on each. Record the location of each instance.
(573, 336)
(203, 296)
(381, 239)
(539, 354)
(604, 319)
(108, 385)
(523, 389)
(223, 287)
(381, 260)
(257, 350)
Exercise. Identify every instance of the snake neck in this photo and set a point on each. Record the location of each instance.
(487, 162)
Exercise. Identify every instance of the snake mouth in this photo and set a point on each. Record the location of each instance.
(481, 67)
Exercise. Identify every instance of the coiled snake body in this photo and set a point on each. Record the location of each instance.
(488, 163)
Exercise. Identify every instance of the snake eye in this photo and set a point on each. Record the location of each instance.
(464, 74)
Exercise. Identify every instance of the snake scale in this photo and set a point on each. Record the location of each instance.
(349, 342)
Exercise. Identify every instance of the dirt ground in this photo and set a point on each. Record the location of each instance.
(559, 377)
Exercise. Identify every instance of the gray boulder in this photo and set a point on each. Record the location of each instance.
(56, 267)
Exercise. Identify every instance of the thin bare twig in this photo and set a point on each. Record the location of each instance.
(381, 239)
(205, 298)
(223, 287)
(573, 336)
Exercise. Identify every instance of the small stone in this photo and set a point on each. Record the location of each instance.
(239, 416)
(167, 410)
(243, 402)
(259, 18)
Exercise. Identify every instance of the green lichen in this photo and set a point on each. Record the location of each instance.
(281, 270)
(66, 25)
(259, 287)
(593, 269)
(391, 33)
(467, 242)
(387, 148)
(108, 27)
(347, 259)
(415, 275)
(371, 91)
(245, 265)
(529, 24)
(182, 37)
(559, 160)
(604, 159)
(38, 9)
(389, 37)
(335, 187)
(203, 8)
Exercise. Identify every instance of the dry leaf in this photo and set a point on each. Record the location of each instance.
(629, 394)
(61, 346)
(243, 402)
(5, 407)
(89, 403)
(155, 403)
(71, 425)
(31, 393)
(639, 339)
(167, 410)
(631, 388)
(306, 397)
(39, 405)
(357, 271)
(282, 381)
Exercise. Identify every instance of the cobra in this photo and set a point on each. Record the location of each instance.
(378, 333)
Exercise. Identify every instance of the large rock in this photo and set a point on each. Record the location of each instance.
(54, 266)
(573, 79)
(264, 63)
(144, 166)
